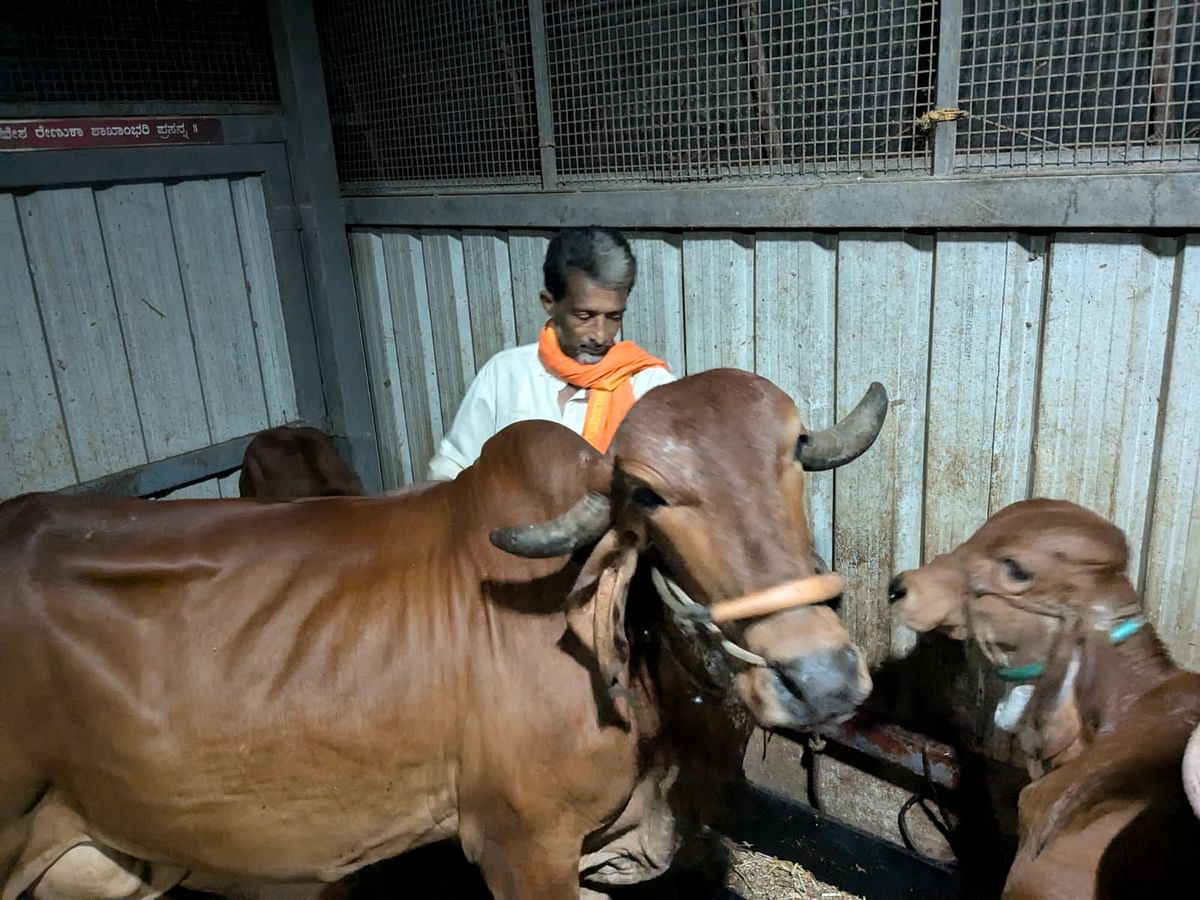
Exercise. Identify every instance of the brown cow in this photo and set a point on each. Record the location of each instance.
(217, 693)
(289, 461)
(1102, 712)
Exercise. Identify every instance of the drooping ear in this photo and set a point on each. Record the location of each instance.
(596, 606)
(1054, 721)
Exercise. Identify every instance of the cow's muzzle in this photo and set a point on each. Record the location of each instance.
(821, 688)
(827, 684)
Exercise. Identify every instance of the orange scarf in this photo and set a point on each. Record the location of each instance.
(608, 382)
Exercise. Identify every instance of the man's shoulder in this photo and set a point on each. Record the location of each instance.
(653, 377)
(511, 360)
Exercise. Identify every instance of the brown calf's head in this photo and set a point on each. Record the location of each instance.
(1009, 586)
(705, 482)
(1028, 587)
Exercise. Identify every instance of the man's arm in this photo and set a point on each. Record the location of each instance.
(474, 423)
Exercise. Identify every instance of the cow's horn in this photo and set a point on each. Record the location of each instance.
(581, 524)
(849, 438)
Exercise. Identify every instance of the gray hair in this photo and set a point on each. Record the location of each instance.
(602, 254)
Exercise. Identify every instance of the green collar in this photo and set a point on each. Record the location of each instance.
(1122, 631)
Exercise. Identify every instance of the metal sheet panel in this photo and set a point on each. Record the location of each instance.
(228, 484)
(654, 314)
(450, 317)
(214, 283)
(379, 336)
(37, 455)
(1173, 563)
(795, 316)
(883, 312)
(1123, 199)
(489, 287)
(718, 300)
(154, 318)
(405, 266)
(201, 490)
(83, 332)
(1017, 386)
(982, 370)
(266, 306)
(986, 313)
(1108, 302)
(527, 252)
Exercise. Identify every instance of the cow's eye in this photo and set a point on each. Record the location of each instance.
(647, 498)
(1014, 570)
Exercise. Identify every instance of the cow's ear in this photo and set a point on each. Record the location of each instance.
(1054, 716)
(596, 607)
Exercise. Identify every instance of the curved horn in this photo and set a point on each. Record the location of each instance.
(849, 438)
(581, 524)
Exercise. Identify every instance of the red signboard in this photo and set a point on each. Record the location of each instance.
(139, 131)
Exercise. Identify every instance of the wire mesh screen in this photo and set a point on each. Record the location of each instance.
(136, 51)
(436, 93)
(1078, 82)
(705, 90)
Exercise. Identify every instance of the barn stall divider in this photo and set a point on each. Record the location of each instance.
(989, 207)
(163, 267)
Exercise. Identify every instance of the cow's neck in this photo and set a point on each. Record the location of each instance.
(704, 725)
(1118, 676)
(1122, 675)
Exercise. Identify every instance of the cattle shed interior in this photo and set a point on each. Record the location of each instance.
(989, 206)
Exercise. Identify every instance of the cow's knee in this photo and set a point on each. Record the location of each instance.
(93, 872)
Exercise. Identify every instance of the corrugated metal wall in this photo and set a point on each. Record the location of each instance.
(1064, 365)
(137, 322)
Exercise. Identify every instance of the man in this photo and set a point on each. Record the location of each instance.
(577, 373)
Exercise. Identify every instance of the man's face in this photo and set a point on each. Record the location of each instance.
(587, 319)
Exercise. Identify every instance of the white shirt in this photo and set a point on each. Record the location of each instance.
(513, 386)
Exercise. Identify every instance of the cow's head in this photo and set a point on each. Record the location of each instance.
(1029, 576)
(288, 462)
(705, 483)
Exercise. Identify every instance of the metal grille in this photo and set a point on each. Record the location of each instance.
(136, 51)
(1078, 82)
(436, 93)
(706, 90)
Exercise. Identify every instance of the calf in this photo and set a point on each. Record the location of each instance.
(1041, 589)
(288, 462)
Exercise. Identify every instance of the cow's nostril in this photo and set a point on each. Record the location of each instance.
(896, 589)
(849, 661)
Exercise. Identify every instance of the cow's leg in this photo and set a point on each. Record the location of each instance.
(21, 787)
(59, 860)
(532, 868)
(93, 872)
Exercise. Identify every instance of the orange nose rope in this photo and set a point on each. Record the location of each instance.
(789, 595)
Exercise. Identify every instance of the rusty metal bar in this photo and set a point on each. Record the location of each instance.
(899, 746)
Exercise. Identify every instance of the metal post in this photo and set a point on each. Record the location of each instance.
(945, 134)
(541, 90)
(323, 231)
